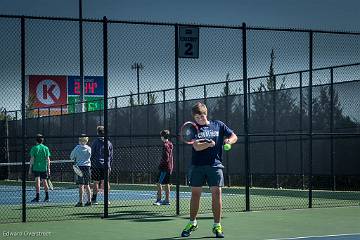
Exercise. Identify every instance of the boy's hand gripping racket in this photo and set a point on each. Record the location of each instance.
(188, 133)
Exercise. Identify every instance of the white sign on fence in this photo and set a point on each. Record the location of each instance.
(188, 42)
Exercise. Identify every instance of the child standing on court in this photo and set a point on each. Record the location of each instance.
(81, 155)
(98, 162)
(165, 168)
(40, 166)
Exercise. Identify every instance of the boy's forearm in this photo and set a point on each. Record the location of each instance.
(200, 146)
(232, 139)
(48, 160)
(31, 163)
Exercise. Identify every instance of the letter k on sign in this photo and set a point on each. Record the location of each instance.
(48, 92)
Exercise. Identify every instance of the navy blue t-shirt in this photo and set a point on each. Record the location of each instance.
(97, 153)
(217, 131)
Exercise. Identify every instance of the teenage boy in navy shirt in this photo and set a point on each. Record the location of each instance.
(206, 165)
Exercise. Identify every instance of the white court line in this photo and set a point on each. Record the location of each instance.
(323, 236)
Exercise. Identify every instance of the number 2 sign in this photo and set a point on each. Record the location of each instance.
(188, 42)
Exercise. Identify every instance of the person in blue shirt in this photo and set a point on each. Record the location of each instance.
(206, 166)
(98, 162)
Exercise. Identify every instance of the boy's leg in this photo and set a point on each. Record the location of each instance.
(159, 192)
(167, 192)
(86, 185)
(195, 202)
(162, 180)
(86, 179)
(80, 202)
(37, 185)
(88, 192)
(194, 208)
(196, 181)
(81, 192)
(46, 189)
(108, 183)
(95, 191)
(216, 203)
(37, 190)
(216, 182)
(101, 186)
(108, 186)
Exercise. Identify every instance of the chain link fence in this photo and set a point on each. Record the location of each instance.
(297, 142)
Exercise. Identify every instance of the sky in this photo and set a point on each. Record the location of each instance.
(314, 14)
(291, 49)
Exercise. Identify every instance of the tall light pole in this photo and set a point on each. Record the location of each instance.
(137, 66)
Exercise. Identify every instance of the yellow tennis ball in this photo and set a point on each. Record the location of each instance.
(227, 147)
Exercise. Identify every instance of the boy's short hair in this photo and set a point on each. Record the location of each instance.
(165, 134)
(39, 138)
(100, 130)
(83, 139)
(199, 108)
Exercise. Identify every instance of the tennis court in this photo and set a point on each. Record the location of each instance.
(292, 100)
(135, 201)
(323, 223)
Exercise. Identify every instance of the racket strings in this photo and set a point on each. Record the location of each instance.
(189, 133)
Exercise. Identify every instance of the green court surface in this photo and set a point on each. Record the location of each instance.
(135, 201)
(257, 225)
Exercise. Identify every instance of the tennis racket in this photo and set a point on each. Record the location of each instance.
(77, 170)
(188, 133)
(51, 186)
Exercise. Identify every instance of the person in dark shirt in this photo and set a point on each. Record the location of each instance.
(206, 166)
(165, 168)
(98, 162)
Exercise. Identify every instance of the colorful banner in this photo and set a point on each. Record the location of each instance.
(93, 86)
(93, 103)
(93, 93)
(47, 91)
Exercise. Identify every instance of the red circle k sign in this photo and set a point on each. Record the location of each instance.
(49, 91)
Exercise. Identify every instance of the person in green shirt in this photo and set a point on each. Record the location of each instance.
(40, 166)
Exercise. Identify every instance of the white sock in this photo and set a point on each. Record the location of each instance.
(193, 222)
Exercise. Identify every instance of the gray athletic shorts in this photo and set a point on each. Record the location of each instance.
(213, 175)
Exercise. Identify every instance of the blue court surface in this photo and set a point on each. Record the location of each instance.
(11, 195)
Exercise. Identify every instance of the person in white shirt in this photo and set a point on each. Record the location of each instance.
(81, 155)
